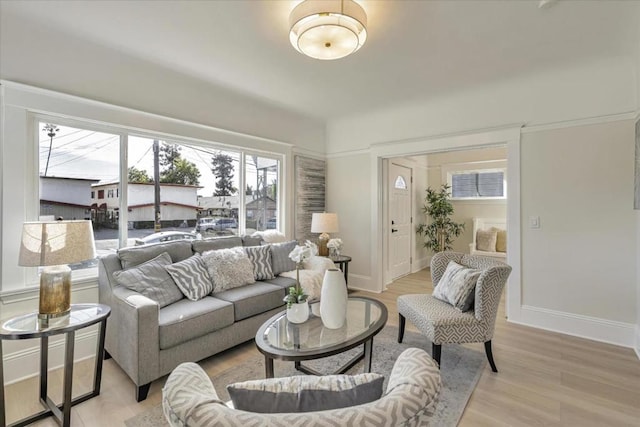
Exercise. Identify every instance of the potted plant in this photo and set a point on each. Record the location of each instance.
(441, 231)
(296, 299)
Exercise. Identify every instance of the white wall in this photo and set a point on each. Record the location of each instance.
(76, 192)
(466, 210)
(582, 259)
(581, 91)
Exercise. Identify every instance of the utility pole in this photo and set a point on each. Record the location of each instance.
(51, 130)
(156, 184)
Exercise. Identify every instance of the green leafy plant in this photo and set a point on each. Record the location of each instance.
(441, 231)
(296, 295)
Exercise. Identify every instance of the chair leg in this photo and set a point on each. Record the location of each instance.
(401, 323)
(487, 349)
(142, 392)
(436, 349)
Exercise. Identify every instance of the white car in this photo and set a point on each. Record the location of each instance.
(166, 236)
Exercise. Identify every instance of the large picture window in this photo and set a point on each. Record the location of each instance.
(174, 190)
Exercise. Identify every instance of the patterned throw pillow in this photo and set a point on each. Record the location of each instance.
(192, 277)
(457, 286)
(228, 268)
(305, 393)
(151, 280)
(280, 261)
(260, 256)
(486, 240)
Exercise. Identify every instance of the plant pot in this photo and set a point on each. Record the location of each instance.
(333, 299)
(298, 312)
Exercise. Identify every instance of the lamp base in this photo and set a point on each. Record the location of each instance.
(55, 292)
(323, 250)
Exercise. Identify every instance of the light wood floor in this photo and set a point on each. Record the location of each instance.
(545, 379)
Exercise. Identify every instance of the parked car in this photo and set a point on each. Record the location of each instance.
(222, 224)
(203, 223)
(272, 223)
(165, 236)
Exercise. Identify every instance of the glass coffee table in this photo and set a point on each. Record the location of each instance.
(279, 339)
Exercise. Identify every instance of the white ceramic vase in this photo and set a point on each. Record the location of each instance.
(333, 299)
(298, 313)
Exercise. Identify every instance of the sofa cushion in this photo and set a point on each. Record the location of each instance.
(186, 320)
(151, 280)
(280, 261)
(178, 250)
(260, 257)
(201, 246)
(305, 393)
(192, 277)
(282, 281)
(457, 286)
(251, 240)
(228, 268)
(253, 299)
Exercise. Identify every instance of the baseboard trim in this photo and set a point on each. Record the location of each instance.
(592, 328)
(420, 264)
(637, 346)
(25, 363)
(359, 282)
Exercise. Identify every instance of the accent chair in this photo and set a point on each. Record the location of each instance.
(441, 322)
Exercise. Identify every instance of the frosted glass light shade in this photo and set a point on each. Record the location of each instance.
(328, 29)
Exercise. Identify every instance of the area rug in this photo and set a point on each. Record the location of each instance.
(461, 369)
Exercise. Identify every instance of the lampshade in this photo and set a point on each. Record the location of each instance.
(56, 243)
(328, 29)
(53, 245)
(324, 223)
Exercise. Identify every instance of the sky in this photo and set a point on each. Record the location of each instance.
(78, 153)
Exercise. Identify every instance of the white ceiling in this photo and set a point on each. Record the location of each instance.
(415, 49)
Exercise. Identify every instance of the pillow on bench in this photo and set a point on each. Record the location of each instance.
(486, 240)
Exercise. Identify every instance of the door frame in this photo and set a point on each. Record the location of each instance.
(508, 136)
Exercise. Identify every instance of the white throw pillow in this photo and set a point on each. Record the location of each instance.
(228, 268)
(270, 236)
(457, 286)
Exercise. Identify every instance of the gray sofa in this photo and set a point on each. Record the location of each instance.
(149, 342)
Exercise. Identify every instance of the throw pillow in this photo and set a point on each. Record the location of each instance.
(501, 240)
(305, 393)
(192, 277)
(260, 257)
(457, 286)
(271, 236)
(486, 240)
(280, 261)
(151, 280)
(228, 268)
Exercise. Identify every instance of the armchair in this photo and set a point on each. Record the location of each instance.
(444, 324)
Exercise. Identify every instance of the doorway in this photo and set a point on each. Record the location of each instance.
(399, 234)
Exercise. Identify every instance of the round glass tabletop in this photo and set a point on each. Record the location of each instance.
(365, 317)
(29, 326)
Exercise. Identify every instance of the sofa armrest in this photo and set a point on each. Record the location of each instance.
(136, 347)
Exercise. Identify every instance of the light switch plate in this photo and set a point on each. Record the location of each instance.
(534, 221)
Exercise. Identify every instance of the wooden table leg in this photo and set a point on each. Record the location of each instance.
(268, 367)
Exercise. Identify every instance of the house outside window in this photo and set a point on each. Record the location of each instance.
(100, 194)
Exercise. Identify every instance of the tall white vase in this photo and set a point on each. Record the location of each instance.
(333, 299)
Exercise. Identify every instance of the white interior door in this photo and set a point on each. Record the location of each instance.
(399, 227)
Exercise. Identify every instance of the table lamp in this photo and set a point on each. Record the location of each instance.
(324, 223)
(53, 245)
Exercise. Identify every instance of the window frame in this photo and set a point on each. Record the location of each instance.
(36, 119)
(499, 165)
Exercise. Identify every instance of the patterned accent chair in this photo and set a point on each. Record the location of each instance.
(190, 400)
(444, 324)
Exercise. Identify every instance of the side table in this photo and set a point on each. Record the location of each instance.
(343, 263)
(28, 326)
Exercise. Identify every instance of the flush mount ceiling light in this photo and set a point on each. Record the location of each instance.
(328, 29)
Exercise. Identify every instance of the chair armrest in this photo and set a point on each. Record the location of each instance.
(137, 331)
